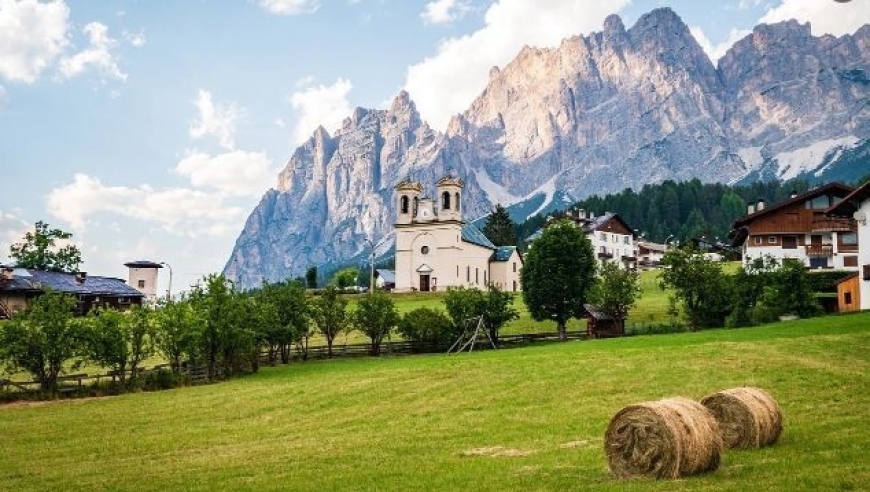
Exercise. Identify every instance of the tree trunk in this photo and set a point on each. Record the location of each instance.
(329, 341)
(563, 335)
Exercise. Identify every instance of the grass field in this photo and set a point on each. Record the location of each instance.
(521, 419)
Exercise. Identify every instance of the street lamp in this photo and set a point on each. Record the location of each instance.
(372, 246)
(169, 289)
(668, 240)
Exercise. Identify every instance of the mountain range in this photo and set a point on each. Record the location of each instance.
(599, 113)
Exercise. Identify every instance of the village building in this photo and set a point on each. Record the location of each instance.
(800, 228)
(612, 238)
(855, 207)
(649, 254)
(142, 276)
(19, 286)
(436, 249)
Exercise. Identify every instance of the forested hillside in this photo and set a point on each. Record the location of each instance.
(685, 209)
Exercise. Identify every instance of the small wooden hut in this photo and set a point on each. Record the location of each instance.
(602, 325)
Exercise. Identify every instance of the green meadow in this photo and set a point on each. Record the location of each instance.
(520, 419)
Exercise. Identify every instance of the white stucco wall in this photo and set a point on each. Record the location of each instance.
(506, 274)
(148, 276)
(864, 253)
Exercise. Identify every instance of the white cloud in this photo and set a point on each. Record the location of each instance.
(32, 35)
(826, 17)
(218, 120)
(444, 11)
(320, 105)
(98, 55)
(748, 4)
(180, 210)
(448, 82)
(3, 97)
(12, 230)
(236, 173)
(136, 39)
(290, 7)
(717, 51)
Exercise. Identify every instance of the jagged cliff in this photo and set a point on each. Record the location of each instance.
(617, 108)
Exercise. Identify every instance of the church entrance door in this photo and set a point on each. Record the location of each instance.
(424, 283)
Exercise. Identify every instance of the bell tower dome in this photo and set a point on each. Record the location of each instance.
(449, 198)
(407, 201)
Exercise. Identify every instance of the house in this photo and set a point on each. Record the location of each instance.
(800, 228)
(650, 254)
(855, 207)
(436, 249)
(385, 279)
(18, 286)
(142, 276)
(611, 237)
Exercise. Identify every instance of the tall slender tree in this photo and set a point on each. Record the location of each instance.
(499, 227)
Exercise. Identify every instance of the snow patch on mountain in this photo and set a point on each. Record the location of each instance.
(495, 192)
(807, 159)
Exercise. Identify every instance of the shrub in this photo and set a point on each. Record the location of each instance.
(429, 326)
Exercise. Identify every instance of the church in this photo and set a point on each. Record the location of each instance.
(436, 249)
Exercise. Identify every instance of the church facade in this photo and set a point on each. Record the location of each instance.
(436, 249)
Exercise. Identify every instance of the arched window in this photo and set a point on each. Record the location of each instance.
(445, 200)
(404, 204)
(457, 202)
(416, 204)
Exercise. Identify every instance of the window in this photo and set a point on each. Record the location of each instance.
(484, 277)
(457, 271)
(141, 284)
(615, 238)
(866, 272)
(468, 274)
(819, 202)
(849, 238)
(445, 200)
(476, 276)
(758, 240)
(424, 250)
(404, 204)
(457, 202)
(625, 239)
(515, 266)
(771, 239)
(789, 242)
(847, 297)
(515, 285)
(850, 261)
(416, 205)
(604, 236)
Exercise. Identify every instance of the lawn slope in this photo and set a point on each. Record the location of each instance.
(519, 419)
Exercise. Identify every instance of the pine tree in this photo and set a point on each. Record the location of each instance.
(499, 227)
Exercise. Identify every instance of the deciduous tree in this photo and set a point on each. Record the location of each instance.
(615, 291)
(376, 316)
(40, 250)
(330, 315)
(558, 271)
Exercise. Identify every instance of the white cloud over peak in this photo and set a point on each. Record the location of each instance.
(180, 210)
(446, 83)
(320, 105)
(97, 55)
(218, 120)
(137, 39)
(826, 17)
(32, 36)
(236, 173)
(717, 51)
(444, 11)
(290, 7)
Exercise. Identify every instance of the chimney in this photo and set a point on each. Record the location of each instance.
(760, 205)
(81, 277)
(750, 209)
(7, 273)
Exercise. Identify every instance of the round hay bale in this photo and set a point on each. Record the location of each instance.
(748, 417)
(669, 438)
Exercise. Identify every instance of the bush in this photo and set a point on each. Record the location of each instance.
(428, 325)
(161, 379)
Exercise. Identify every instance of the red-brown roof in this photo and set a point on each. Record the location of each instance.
(851, 202)
(836, 186)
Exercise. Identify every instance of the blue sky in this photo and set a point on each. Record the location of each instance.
(150, 129)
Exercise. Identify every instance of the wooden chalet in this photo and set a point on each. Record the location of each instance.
(800, 228)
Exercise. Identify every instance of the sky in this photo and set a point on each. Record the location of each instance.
(151, 129)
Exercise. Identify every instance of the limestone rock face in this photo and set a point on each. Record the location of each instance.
(617, 108)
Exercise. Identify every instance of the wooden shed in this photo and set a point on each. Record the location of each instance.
(602, 325)
(849, 294)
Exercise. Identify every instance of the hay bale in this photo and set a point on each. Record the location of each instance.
(669, 438)
(748, 417)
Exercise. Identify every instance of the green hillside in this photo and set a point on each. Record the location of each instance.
(520, 419)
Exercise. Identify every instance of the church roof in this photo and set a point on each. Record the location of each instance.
(473, 235)
(503, 253)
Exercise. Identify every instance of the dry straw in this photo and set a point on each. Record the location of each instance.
(669, 438)
(748, 417)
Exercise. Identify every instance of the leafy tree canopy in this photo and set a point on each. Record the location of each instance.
(41, 250)
(558, 272)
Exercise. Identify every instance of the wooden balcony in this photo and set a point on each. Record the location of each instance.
(629, 259)
(819, 250)
(834, 224)
(605, 255)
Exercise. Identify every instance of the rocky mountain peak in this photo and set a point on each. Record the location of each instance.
(613, 25)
